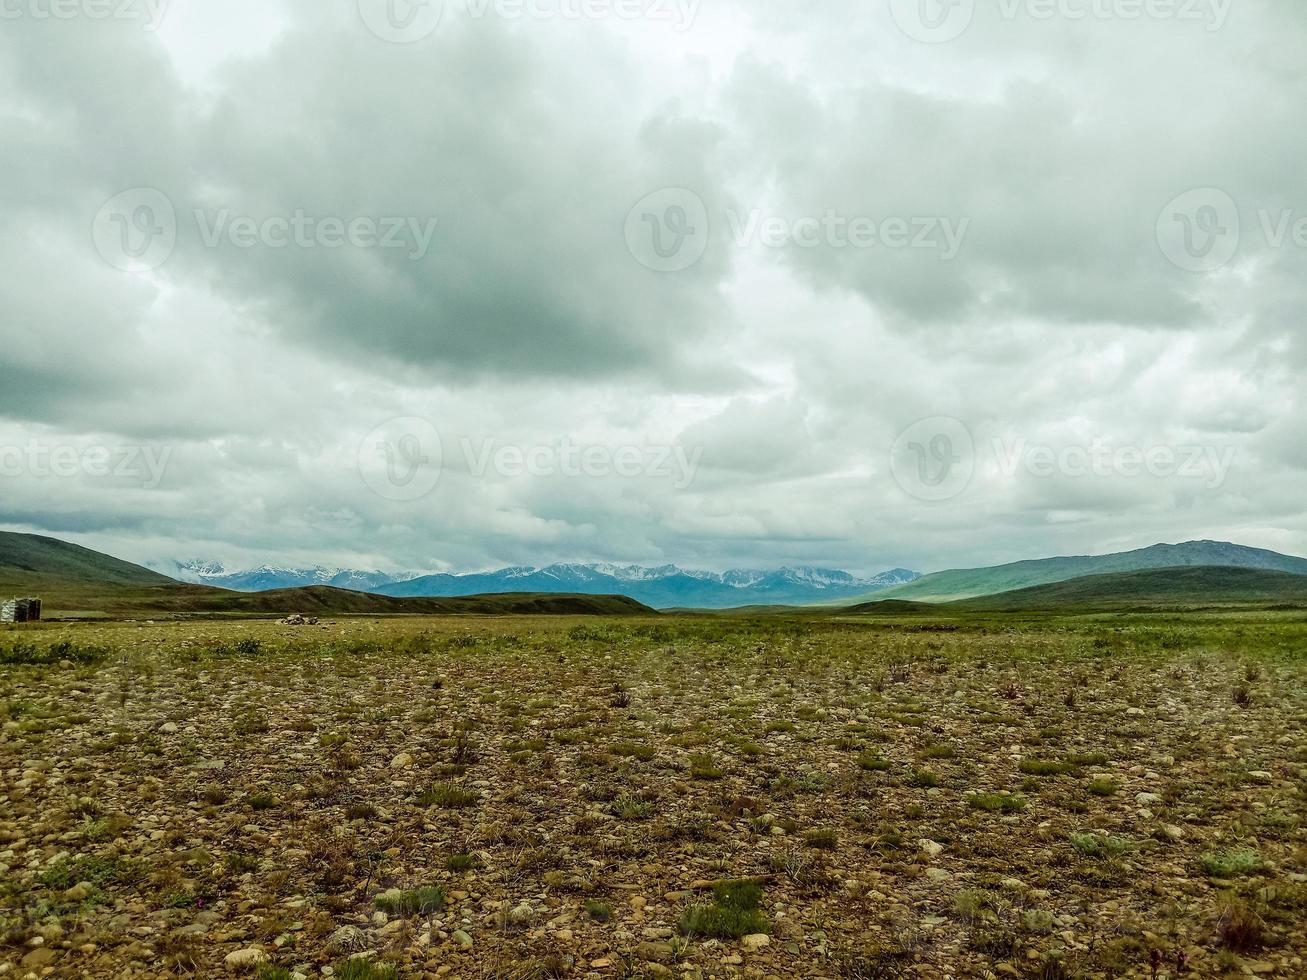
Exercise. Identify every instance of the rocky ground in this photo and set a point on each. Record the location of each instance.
(681, 797)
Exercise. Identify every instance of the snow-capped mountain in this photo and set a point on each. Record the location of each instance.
(268, 577)
(664, 586)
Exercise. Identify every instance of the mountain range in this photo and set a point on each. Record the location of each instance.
(971, 582)
(663, 587)
(76, 582)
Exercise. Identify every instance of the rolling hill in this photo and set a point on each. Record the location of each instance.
(1184, 587)
(968, 583)
(77, 582)
(37, 561)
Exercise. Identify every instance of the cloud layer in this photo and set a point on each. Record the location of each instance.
(795, 285)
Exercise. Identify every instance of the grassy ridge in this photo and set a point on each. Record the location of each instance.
(1181, 588)
(968, 583)
(37, 561)
(76, 582)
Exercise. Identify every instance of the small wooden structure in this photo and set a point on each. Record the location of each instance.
(20, 611)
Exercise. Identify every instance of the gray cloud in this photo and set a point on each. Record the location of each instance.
(527, 322)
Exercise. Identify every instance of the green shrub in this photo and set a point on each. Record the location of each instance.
(871, 762)
(358, 968)
(1230, 864)
(1045, 767)
(996, 803)
(448, 796)
(1100, 845)
(415, 901)
(704, 766)
(732, 914)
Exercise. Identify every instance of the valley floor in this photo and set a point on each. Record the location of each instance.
(534, 797)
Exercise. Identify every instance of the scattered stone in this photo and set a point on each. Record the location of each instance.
(242, 958)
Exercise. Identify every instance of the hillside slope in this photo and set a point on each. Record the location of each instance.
(74, 581)
(968, 583)
(1152, 588)
(40, 561)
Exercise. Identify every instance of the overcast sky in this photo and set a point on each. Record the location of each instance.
(721, 283)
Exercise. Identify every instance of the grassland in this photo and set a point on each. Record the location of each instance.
(700, 797)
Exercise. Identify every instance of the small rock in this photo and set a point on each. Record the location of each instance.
(655, 952)
(522, 915)
(347, 939)
(462, 938)
(401, 761)
(756, 941)
(252, 956)
(932, 848)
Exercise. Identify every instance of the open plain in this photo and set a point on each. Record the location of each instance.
(819, 796)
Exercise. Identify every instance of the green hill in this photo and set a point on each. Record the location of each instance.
(73, 581)
(967, 583)
(1185, 587)
(35, 561)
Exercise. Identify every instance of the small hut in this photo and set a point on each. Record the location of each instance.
(20, 611)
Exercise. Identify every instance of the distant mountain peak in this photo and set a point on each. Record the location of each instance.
(660, 585)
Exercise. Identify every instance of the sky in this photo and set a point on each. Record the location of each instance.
(726, 283)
